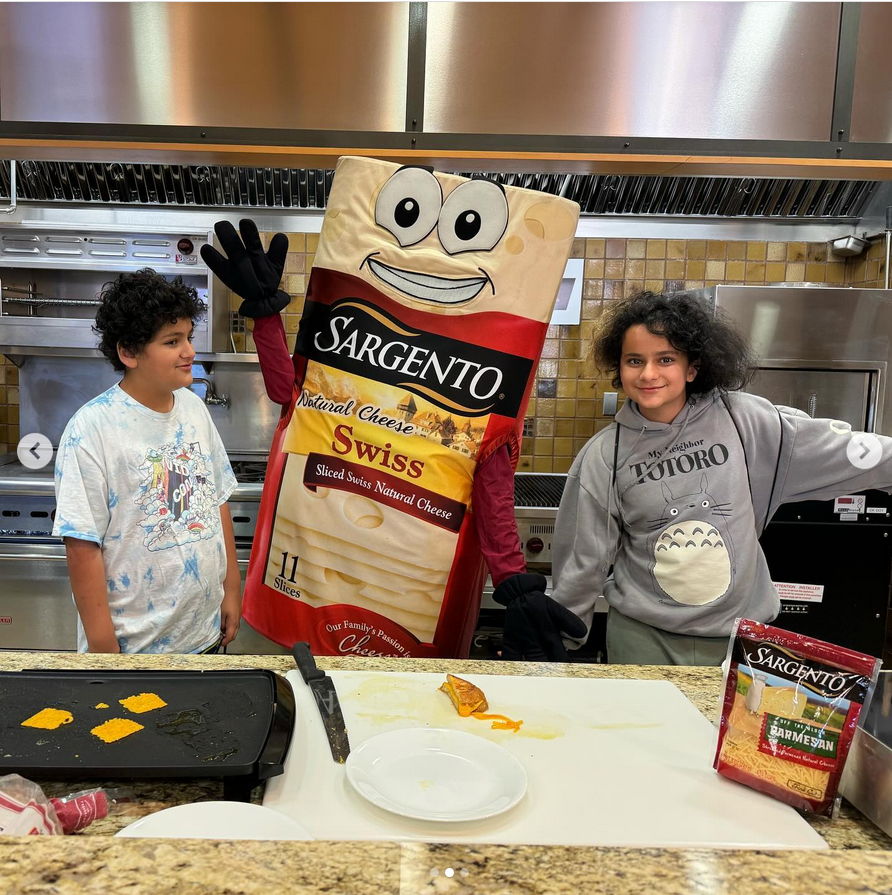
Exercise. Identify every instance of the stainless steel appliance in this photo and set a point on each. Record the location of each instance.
(867, 779)
(824, 350)
(53, 386)
(170, 186)
(50, 279)
(415, 72)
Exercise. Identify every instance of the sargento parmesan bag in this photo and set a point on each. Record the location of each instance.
(425, 314)
(791, 706)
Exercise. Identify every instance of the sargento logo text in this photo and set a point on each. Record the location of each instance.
(812, 674)
(416, 361)
(356, 337)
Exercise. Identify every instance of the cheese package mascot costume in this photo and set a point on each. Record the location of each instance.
(391, 468)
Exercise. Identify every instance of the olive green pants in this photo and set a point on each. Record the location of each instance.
(634, 643)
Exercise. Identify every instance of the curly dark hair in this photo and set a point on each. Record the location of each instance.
(136, 305)
(711, 341)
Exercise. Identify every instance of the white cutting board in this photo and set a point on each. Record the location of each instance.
(610, 763)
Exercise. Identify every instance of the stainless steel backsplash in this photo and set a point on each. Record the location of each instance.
(51, 389)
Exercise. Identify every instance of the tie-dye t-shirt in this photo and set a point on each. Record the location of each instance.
(147, 487)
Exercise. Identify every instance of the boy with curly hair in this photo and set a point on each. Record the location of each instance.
(663, 509)
(142, 480)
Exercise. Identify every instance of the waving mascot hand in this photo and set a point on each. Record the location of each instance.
(392, 465)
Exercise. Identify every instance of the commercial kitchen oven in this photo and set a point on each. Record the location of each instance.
(825, 351)
(50, 279)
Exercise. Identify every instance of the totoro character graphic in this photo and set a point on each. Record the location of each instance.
(692, 558)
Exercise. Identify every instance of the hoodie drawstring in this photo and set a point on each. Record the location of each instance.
(612, 495)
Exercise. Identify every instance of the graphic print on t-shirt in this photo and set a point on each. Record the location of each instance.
(177, 495)
(692, 557)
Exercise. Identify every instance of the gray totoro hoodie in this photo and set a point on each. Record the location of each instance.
(680, 524)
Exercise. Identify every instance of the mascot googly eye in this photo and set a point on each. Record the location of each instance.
(409, 205)
(474, 218)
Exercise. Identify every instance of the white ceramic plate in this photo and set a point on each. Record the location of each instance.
(216, 820)
(436, 774)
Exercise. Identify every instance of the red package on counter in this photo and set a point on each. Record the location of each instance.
(80, 810)
(790, 710)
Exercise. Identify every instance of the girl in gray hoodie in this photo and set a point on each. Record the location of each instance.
(663, 510)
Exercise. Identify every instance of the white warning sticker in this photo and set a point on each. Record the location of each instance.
(878, 510)
(800, 593)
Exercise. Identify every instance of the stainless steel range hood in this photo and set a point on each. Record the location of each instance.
(208, 186)
(740, 89)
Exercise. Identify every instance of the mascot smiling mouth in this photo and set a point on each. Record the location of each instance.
(425, 287)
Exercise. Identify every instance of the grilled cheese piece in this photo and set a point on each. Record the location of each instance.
(466, 697)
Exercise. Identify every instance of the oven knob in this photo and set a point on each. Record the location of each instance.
(185, 246)
(535, 545)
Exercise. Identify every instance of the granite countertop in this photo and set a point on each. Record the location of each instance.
(859, 859)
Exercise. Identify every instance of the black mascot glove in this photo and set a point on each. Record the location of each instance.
(534, 622)
(249, 271)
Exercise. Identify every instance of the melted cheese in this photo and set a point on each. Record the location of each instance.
(115, 729)
(500, 722)
(49, 719)
(470, 702)
(143, 702)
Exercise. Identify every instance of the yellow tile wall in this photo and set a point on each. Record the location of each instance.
(567, 403)
(565, 408)
(9, 405)
(868, 270)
